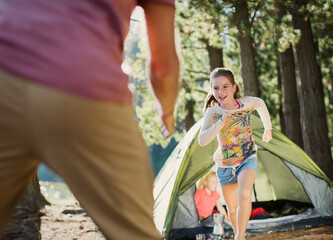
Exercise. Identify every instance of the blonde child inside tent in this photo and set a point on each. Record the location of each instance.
(206, 196)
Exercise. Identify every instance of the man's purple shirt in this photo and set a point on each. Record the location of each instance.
(74, 46)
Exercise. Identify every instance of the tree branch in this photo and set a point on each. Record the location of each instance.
(192, 47)
(259, 5)
(193, 71)
(200, 91)
(201, 79)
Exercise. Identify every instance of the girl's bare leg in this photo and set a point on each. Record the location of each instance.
(230, 194)
(246, 180)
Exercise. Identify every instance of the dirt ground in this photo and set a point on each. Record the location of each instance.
(70, 222)
(77, 225)
(319, 233)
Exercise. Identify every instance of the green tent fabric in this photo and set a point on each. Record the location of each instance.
(283, 147)
(275, 180)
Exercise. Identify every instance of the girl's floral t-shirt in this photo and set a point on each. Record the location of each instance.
(236, 139)
(235, 135)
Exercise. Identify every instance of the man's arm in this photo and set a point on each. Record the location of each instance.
(164, 63)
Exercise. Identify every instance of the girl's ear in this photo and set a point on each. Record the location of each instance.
(234, 88)
(204, 182)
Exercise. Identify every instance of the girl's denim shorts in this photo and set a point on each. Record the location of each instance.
(228, 176)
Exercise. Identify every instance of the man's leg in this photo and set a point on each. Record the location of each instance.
(16, 163)
(98, 150)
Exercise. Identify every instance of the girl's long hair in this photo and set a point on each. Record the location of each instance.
(218, 72)
(204, 178)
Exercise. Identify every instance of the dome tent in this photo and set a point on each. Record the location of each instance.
(285, 173)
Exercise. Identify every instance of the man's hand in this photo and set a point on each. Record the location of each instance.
(168, 121)
(164, 63)
(168, 125)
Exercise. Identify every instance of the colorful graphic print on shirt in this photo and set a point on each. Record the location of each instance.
(236, 139)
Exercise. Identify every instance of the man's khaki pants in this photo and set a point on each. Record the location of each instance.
(94, 146)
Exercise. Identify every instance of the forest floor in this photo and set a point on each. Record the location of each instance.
(70, 222)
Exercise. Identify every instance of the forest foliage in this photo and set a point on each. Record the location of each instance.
(205, 24)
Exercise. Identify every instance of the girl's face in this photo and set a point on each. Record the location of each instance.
(211, 182)
(223, 90)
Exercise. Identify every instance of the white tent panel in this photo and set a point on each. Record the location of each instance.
(317, 189)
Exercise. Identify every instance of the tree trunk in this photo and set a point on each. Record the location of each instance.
(313, 113)
(25, 222)
(189, 119)
(245, 41)
(290, 103)
(283, 127)
(215, 57)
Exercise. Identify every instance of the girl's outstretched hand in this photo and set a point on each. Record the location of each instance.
(267, 137)
(224, 117)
